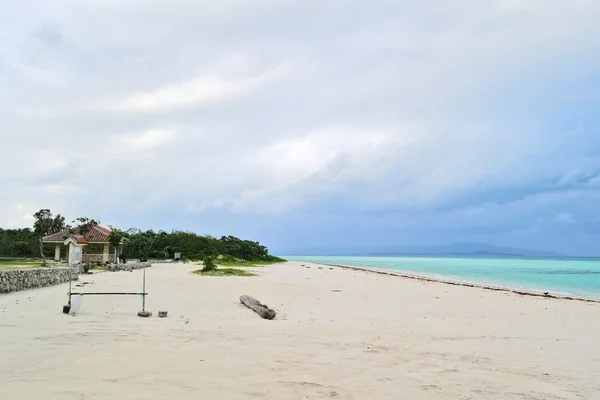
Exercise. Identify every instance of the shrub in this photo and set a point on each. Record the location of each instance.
(209, 264)
(274, 259)
(224, 272)
(226, 258)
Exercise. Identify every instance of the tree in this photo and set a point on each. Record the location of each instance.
(139, 247)
(244, 249)
(85, 225)
(18, 242)
(209, 264)
(115, 238)
(46, 224)
(22, 249)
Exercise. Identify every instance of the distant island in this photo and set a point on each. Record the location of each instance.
(455, 250)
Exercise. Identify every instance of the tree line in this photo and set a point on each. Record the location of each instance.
(145, 245)
(137, 244)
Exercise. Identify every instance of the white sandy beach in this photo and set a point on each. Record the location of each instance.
(338, 334)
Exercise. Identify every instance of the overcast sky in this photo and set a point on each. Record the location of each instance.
(304, 123)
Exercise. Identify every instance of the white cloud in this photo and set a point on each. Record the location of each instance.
(150, 139)
(202, 91)
(273, 106)
(198, 92)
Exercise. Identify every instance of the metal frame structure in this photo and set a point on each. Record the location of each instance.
(67, 308)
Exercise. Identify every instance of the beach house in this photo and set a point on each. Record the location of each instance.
(96, 239)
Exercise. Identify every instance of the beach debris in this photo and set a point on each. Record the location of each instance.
(144, 314)
(162, 314)
(261, 309)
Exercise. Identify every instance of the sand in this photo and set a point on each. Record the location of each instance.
(339, 333)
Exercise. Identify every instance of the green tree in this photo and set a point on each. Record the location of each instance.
(85, 225)
(139, 246)
(209, 264)
(22, 249)
(46, 224)
(115, 238)
(18, 242)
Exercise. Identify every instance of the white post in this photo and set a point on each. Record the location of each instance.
(57, 252)
(70, 252)
(105, 254)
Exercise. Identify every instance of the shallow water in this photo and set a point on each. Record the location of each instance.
(576, 277)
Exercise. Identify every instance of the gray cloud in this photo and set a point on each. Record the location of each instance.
(283, 107)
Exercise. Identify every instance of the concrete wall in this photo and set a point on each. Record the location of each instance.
(31, 278)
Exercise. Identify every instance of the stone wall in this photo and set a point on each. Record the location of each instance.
(135, 260)
(31, 278)
(129, 266)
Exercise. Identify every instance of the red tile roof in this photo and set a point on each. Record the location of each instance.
(80, 239)
(98, 234)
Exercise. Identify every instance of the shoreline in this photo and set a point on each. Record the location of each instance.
(422, 278)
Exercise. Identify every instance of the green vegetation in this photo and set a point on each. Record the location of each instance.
(209, 264)
(149, 244)
(46, 224)
(115, 238)
(211, 269)
(137, 244)
(18, 243)
(17, 264)
(229, 261)
(224, 272)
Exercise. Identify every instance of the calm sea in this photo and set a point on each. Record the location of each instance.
(576, 277)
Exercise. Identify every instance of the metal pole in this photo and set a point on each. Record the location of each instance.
(70, 280)
(144, 291)
(108, 294)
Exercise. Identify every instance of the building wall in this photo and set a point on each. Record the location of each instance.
(32, 278)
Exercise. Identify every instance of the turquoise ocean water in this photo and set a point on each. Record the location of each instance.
(560, 276)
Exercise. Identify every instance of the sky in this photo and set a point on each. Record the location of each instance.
(307, 123)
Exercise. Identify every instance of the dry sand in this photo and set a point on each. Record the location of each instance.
(339, 334)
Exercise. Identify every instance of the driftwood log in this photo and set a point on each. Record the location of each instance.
(261, 309)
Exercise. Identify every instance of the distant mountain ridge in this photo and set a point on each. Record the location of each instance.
(456, 249)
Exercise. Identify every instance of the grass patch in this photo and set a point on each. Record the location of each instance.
(224, 272)
(234, 262)
(100, 268)
(18, 264)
